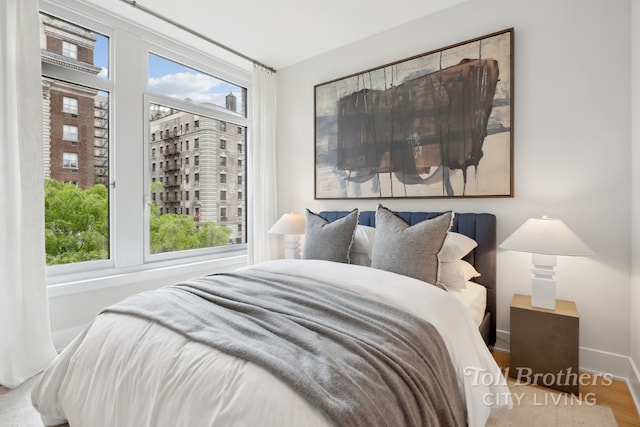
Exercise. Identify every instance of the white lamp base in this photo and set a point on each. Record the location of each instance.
(291, 246)
(543, 283)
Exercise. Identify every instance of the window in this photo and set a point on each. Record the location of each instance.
(223, 144)
(69, 50)
(76, 104)
(223, 127)
(223, 195)
(89, 135)
(223, 214)
(70, 160)
(239, 179)
(70, 133)
(223, 161)
(69, 105)
(239, 148)
(223, 178)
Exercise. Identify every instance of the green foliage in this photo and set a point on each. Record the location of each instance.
(76, 222)
(172, 232)
(77, 226)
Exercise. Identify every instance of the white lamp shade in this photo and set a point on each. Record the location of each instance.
(289, 223)
(547, 236)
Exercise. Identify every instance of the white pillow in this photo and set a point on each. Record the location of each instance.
(455, 274)
(456, 246)
(363, 240)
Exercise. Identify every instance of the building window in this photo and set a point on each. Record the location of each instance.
(223, 195)
(223, 214)
(223, 126)
(239, 179)
(223, 161)
(196, 143)
(239, 211)
(70, 133)
(223, 178)
(239, 148)
(196, 160)
(69, 50)
(196, 124)
(196, 177)
(69, 105)
(239, 163)
(70, 160)
(197, 195)
(223, 144)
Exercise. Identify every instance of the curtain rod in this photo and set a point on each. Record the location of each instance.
(135, 4)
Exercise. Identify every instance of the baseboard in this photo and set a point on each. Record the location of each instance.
(634, 384)
(596, 361)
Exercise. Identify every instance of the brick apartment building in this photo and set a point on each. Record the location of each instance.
(69, 109)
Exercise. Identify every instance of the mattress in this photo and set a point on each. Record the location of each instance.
(474, 298)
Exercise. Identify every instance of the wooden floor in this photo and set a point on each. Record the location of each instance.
(616, 395)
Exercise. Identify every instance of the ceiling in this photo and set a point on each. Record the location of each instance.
(279, 33)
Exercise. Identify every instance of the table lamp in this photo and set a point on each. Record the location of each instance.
(545, 238)
(291, 226)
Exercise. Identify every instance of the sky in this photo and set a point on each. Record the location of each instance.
(175, 80)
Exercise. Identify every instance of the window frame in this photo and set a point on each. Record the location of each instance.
(151, 98)
(69, 105)
(130, 43)
(66, 156)
(67, 48)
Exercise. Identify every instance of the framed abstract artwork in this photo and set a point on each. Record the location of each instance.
(438, 124)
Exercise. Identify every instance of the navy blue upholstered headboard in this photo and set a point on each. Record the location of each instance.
(481, 227)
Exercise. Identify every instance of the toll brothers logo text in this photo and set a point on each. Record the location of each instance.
(525, 376)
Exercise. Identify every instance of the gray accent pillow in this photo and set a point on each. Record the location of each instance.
(330, 241)
(409, 250)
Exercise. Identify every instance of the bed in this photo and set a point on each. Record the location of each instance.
(481, 227)
(313, 342)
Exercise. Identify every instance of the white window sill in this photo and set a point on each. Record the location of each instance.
(74, 283)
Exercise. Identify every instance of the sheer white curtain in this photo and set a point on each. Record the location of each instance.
(25, 337)
(263, 203)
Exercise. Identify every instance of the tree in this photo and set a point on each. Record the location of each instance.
(77, 225)
(173, 232)
(76, 222)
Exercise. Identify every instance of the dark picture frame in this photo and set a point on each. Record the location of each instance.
(435, 125)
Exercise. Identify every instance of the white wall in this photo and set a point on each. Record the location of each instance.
(572, 142)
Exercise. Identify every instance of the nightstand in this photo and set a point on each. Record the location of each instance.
(544, 344)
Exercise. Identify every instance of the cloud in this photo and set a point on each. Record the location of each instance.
(185, 85)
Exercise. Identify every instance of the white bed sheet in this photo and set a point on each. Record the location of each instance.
(127, 371)
(474, 297)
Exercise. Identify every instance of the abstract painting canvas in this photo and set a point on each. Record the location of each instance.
(434, 125)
